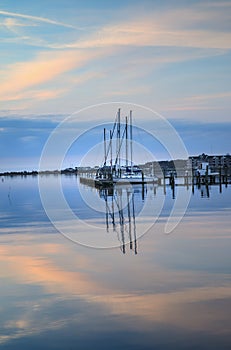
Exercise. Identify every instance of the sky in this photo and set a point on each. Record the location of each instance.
(60, 57)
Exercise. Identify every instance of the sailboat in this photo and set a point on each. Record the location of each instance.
(121, 171)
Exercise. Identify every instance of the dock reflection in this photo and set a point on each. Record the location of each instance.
(120, 214)
(204, 191)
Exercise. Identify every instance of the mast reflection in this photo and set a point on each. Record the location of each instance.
(120, 214)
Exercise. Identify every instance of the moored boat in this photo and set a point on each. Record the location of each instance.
(113, 170)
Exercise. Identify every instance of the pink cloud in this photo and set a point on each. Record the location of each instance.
(45, 68)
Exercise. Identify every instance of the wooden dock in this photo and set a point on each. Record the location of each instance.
(92, 182)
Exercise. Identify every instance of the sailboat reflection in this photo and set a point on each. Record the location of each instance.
(120, 214)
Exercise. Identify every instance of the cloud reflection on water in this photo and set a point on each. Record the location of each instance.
(78, 275)
(180, 282)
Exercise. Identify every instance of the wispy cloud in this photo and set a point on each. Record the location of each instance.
(37, 19)
(36, 95)
(15, 26)
(84, 77)
(44, 68)
(28, 139)
(129, 91)
(181, 27)
(190, 107)
(135, 48)
(217, 4)
(147, 34)
(187, 26)
(208, 97)
(10, 22)
(200, 102)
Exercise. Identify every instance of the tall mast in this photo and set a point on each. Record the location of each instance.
(126, 132)
(131, 150)
(105, 146)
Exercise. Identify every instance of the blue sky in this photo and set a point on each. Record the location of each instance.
(58, 57)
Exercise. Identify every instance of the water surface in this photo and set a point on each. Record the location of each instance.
(158, 291)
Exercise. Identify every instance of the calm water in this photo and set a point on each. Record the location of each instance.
(159, 291)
